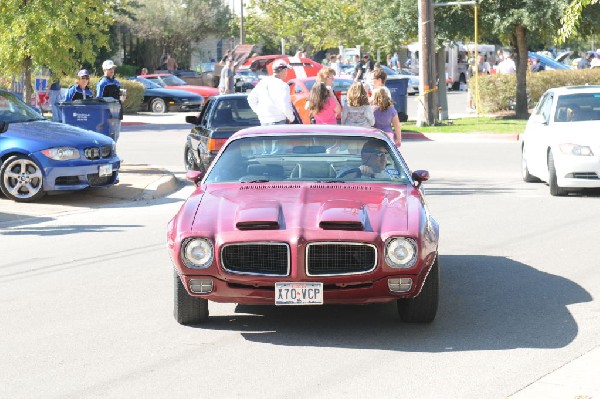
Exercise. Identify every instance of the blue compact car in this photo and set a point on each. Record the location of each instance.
(38, 156)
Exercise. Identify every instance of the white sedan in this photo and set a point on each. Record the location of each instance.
(561, 143)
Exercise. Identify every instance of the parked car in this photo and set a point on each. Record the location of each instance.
(169, 81)
(38, 156)
(292, 215)
(547, 62)
(160, 100)
(301, 67)
(220, 117)
(300, 91)
(413, 80)
(245, 80)
(561, 144)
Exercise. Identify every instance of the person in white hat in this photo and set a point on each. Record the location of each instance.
(270, 99)
(109, 86)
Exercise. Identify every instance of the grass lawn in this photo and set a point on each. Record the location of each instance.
(483, 124)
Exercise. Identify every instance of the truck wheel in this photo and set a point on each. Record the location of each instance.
(422, 308)
(21, 179)
(188, 309)
(158, 106)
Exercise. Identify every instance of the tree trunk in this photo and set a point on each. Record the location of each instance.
(27, 88)
(522, 111)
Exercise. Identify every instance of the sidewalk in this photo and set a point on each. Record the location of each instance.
(142, 182)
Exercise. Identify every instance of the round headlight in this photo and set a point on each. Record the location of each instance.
(401, 252)
(197, 253)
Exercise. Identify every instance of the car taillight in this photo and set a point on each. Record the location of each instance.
(215, 144)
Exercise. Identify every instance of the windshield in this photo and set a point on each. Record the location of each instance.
(311, 158)
(172, 80)
(148, 84)
(578, 107)
(13, 110)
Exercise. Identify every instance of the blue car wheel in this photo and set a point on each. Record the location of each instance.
(21, 179)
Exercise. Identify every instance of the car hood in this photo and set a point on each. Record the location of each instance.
(40, 135)
(583, 132)
(223, 208)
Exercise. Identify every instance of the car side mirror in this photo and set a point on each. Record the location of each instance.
(419, 176)
(194, 176)
(192, 119)
(3, 126)
(538, 118)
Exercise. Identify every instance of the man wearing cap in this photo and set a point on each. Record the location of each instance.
(270, 99)
(109, 86)
(80, 90)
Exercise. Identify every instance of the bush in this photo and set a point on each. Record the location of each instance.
(496, 90)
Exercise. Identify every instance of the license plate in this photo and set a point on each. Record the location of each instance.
(298, 293)
(105, 170)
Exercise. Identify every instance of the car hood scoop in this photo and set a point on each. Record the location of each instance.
(300, 208)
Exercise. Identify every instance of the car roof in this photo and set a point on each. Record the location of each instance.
(318, 130)
(576, 89)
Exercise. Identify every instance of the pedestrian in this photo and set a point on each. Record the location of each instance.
(227, 81)
(395, 61)
(80, 90)
(109, 87)
(507, 65)
(537, 66)
(336, 64)
(54, 98)
(483, 67)
(585, 62)
(144, 71)
(270, 99)
(358, 69)
(368, 65)
(322, 103)
(171, 63)
(386, 116)
(357, 111)
(378, 79)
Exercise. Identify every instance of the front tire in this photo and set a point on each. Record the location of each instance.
(21, 179)
(555, 190)
(422, 308)
(189, 159)
(188, 309)
(527, 177)
(158, 106)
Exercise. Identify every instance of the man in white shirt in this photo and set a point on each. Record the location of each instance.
(507, 65)
(270, 99)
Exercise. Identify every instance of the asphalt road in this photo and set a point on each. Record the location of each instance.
(86, 297)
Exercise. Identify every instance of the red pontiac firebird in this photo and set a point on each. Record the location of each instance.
(306, 215)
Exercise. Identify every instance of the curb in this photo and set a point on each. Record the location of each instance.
(460, 136)
(162, 187)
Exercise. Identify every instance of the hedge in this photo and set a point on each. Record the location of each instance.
(496, 90)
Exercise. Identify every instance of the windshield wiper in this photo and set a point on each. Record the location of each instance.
(257, 181)
(330, 181)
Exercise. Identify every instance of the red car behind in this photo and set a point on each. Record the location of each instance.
(169, 81)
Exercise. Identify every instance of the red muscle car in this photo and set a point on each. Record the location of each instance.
(305, 215)
(169, 81)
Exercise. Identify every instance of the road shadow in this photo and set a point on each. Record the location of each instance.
(486, 303)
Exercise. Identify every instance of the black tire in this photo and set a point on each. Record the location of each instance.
(555, 190)
(189, 160)
(527, 177)
(422, 308)
(158, 106)
(188, 309)
(21, 179)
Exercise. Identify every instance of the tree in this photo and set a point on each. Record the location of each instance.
(572, 17)
(515, 20)
(173, 25)
(58, 34)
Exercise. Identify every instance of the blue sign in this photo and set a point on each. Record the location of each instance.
(40, 84)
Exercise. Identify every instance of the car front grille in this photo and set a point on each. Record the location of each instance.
(96, 180)
(93, 153)
(264, 258)
(338, 258)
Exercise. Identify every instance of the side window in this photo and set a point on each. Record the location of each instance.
(205, 112)
(546, 106)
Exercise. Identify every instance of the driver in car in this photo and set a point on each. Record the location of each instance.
(374, 159)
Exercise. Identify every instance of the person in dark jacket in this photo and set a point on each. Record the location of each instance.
(109, 87)
(80, 90)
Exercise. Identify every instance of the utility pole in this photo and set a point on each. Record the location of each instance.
(427, 66)
(242, 38)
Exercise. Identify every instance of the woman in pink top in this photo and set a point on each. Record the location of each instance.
(322, 103)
